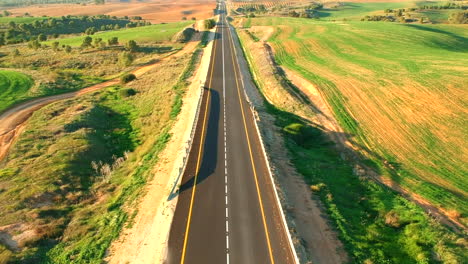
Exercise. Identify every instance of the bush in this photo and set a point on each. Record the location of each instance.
(125, 59)
(209, 23)
(131, 46)
(128, 77)
(127, 92)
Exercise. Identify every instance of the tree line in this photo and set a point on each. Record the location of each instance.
(13, 32)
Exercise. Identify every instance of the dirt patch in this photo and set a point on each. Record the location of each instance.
(146, 240)
(156, 11)
(312, 235)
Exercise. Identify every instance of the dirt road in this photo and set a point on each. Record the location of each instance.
(13, 120)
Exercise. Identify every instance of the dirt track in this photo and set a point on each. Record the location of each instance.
(13, 120)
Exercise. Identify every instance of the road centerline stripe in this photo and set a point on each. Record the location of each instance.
(250, 151)
(187, 229)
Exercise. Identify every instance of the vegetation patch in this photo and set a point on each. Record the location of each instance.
(14, 87)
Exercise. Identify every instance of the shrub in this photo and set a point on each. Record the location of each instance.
(209, 23)
(113, 41)
(127, 92)
(125, 58)
(131, 46)
(126, 78)
(459, 18)
(87, 42)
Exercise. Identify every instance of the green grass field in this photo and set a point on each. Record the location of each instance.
(147, 34)
(14, 87)
(398, 90)
(18, 20)
(356, 11)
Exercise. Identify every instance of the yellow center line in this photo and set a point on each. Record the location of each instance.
(187, 229)
(250, 151)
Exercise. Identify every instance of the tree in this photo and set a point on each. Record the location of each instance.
(113, 41)
(34, 44)
(12, 24)
(55, 45)
(87, 42)
(42, 37)
(6, 13)
(194, 18)
(15, 53)
(126, 78)
(184, 18)
(209, 23)
(131, 46)
(125, 58)
(97, 41)
(90, 31)
(99, 2)
(68, 49)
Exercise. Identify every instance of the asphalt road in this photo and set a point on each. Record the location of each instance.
(226, 210)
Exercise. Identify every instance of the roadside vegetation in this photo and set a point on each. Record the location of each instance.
(85, 174)
(397, 91)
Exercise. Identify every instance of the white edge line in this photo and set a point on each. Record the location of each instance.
(283, 217)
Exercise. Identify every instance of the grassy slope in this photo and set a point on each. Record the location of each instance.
(375, 224)
(153, 33)
(398, 89)
(359, 10)
(6, 20)
(69, 202)
(14, 87)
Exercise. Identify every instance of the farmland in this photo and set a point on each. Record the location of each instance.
(399, 92)
(404, 103)
(147, 34)
(14, 87)
(152, 10)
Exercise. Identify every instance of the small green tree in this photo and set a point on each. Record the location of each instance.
(42, 37)
(34, 44)
(97, 41)
(113, 41)
(6, 13)
(209, 23)
(128, 77)
(55, 45)
(15, 53)
(125, 59)
(87, 42)
(68, 49)
(131, 46)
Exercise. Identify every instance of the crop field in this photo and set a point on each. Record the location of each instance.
(399, 90)
(356, 11)
(156, 11)
(147, 34)
(14, 86)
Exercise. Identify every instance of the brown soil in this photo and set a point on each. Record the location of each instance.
(12, 121)
(156, 11)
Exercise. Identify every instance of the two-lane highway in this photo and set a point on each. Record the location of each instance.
(226, 210)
